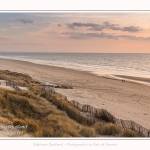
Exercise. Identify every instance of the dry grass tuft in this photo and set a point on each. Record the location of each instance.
(128, 133)
(88, 132)
(107, 129)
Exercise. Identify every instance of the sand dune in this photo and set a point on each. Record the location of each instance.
(124, 100)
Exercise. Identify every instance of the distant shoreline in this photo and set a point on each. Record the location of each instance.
(129, 78)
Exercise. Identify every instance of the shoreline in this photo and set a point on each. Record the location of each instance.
(129, 78)
(128, 101)
(132, 79)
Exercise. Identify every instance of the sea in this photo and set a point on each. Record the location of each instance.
(113, 65)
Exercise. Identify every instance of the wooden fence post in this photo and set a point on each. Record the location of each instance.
(122, 124)
(90, 109)
(132, 125)
(149, 134)
(95, 112)
(82, 108)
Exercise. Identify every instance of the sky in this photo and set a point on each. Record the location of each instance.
(92, 32)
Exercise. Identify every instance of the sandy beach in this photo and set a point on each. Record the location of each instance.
(124, 100)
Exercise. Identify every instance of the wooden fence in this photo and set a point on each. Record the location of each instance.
(14, 84)
(103, 114)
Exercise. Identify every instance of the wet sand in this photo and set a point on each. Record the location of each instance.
(141, 79)
(124, 100)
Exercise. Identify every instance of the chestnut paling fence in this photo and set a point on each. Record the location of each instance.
(103, 114)
(51, 95)
(97, 113)
(14, 84)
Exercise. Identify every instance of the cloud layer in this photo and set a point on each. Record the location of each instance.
(73, 35)
(24, 21)
(104, 25)
(74, 32)
(3, 39)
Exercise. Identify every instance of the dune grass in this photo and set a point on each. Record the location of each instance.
(42, 118)
(48, 115)
(103, 128)
(71, 111)
(107, 129)
(88, 132)
(23, 79)
(129, 133)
